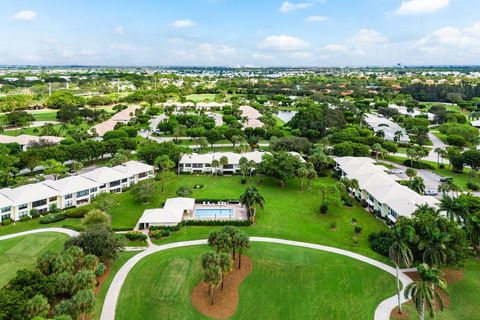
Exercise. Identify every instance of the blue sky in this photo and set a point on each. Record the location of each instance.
(240, 32)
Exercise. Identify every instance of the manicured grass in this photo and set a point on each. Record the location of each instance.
(131, 243)
(20, 226)
(21, 252)
(289, 213)
(45, 116)
(201, 97)
(122, 258)
(462, 296)
(286, 283)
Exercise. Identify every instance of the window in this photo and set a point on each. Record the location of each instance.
(142, 175)
(69, 196)
(197, 165)
(188, 165)
(228, 166)
(103, 186)
(83, 193)
(392, 213)
(82, 201)
(23, 214)
(93, 190)
(39, 203)
(52, 199)
(207, 165)
(114, 183)
(23, 206)
(68, 203)
(5, 216)
(6, 209)
(124, 180)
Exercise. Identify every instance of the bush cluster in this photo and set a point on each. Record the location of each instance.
(54, 217)
(136, 236)
(76, 212)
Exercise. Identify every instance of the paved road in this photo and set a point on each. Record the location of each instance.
(437, 143)
(381, 313)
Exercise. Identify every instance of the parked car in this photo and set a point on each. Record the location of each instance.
(446, 179)
(430, 192)
(395, 171)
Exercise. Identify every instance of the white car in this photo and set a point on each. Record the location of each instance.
(395, 171)
(431, 192)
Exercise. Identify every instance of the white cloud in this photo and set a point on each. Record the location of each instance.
(289, 6)
(452, 41)
(127, 47)
(261, 56)
(283, 43)
(24, 15)
(119, 30)
(87, 52)
(212, 51)
(366, 38)
(334, 48)
(300, 55)
(182, 23)
(412, 7)
(316, 18)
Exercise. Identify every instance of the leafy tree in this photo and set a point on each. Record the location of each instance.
(417, 185)
(215, 165)
(144, 191)
(96, 217)
(454, 208)
(472, 158)
(54, 168)
(38, 306)
(302, 173)
(280, 165)
(164, 163)
(105, 201)
(184, 191)
(99, 241)
(84, 301)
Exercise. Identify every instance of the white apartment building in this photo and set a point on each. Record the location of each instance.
(70, 191)
(202, 163)
(380, 190)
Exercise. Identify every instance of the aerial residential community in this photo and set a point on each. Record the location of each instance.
(220, 159)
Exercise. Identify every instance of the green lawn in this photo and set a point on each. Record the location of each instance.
(45, 116)
(286, 283)
(462, 296)
(289, 213)
(20, 226)
(201, 97)
(21, 252)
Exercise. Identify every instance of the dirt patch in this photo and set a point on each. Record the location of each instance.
(225, 302)
(451, 276)
(103, 277)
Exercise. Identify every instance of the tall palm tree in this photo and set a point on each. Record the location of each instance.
(312, 174)
(215, 165)
(455, 210)
(212, 275)
(424, 293)
(225, 264)
(398, 135)
(223, 162)
(400, 252)
(378, 150)
(250, 198)
(435, 247)
(243, 244)
(440, 153)
(417, 185)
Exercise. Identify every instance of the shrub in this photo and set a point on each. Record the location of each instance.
(347, 201)
(357, 230)
(76, 212)
(100, 269)
(473, 186)
(363, 203)
(165, 233)
(183, 191)
(136, 236)
(323, 208)
(456, 140)
(24, 218)
(6, 222)
(381, 241)
(53, 208)
(354, 220)
(51, 218)
(243, 181)
(156, 234)
(418, 164)
(333, 226)
(34, 213)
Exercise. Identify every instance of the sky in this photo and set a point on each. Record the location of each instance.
(240, 32)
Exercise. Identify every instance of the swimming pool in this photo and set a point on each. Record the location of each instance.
(213, 213)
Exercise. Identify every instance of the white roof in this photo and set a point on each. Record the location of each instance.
(252, 115)
(233, 158)
(171, 213)
(4, 201)
(378, 123)
(475, 123)
(28, 193)
(25, 139)
(71, 184)
(104, 175)
(133, 167)
(109, 125)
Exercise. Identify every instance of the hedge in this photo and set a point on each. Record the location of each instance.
(76, 212)
(51, 218)
(418, 165)
(136, 236)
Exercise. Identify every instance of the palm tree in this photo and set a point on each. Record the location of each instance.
(243, 164)
(417, 185)
(84, 301)
(212, 275)
(435, 247)
(312, 174)
(302, 173)
(440, 153)
(423, 292)
(38, 306)
(252, 166)
(455, 210)
(250, 198)
(243, 244)
(398, 135)
(411, 173)
(378, 150)
(223, 162)
(215, 165)
(225, 264)
(232, 232)
(399, 251)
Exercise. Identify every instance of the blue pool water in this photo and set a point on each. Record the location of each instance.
(213, 213)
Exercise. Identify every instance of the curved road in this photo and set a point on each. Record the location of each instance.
(381, 313)
(66, 231)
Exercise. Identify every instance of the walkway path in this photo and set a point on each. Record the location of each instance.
(381, 313)
(69, 232)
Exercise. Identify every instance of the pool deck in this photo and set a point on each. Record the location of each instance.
(239, 211)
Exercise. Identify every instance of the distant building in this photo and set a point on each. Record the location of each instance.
(24, 140)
